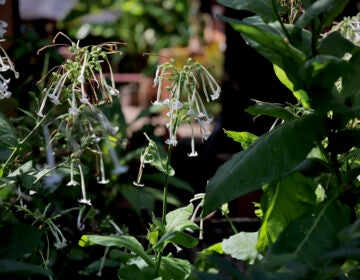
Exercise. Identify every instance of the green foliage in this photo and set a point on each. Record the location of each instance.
(308, 165)
(242, 246)
(159, 236)
(145, 26)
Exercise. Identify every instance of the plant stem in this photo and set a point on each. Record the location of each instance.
(280, 20)
(231, 224)
(16, 149)
(166, 183)
(164, 206)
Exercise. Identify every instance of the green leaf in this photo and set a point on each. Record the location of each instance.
(250, 169)
(300, 94)
(174, 268)
(139, 198)
(178, 219)
(323, 71)
(184, 239)
(12, 267)
(128, 242)
(242, 246)
(244, 138)
(8, 140)
(328, 10)
(133, 272)
(336, 45)
(283, 202)
(18, 240)
(269, 42)
(271, 110)
(262, 8)
(313, 234)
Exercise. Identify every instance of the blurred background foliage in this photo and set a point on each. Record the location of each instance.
(145, 26)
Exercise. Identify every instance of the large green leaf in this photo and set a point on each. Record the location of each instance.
(281, 203)
(308, 240)
(268, 40)
(263, 8)
(242, 246)
(8, 139)
(300, 94)
(128, 242)
(179, 219)
(133, 272)
(273, 156)
(243, 137)
(18, 240)
(337, 45)
(327, 10)
(17, 268)
(323, 71)
(270, 109)
(174, 268)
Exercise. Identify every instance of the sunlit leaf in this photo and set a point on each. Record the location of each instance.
(250, 169)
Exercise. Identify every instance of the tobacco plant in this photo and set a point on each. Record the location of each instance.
(308, 165)
(186, 89)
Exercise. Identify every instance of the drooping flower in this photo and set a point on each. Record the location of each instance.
(53, 180)
(72, 181)
(189, 88)
(5, 65)
(84, 199)
(118, 168)
(101, 178)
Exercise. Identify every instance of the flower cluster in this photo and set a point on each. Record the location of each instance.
(188, 88)
(78, 87)
(349, 27)
(5, 65)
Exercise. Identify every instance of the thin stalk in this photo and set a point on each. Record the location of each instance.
(166, 183)
(16, 149)
(231, 224)
(164, 207)
(273, 2)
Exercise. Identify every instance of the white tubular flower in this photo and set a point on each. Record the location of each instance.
(3, 25)
(5, 65)
(80, 226)
(55, 95)
(187, 84)
(4, 92)
(199, 196)
(54, 179)
(118, 168)
(60, 240)
(81, 80)
(83, 200)
(101, 179)
(43, 103)
(141, 168)
(193, 152)
(9, 63)
(112, 130)
(73, 110)
(214, 86)
(72, 182)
